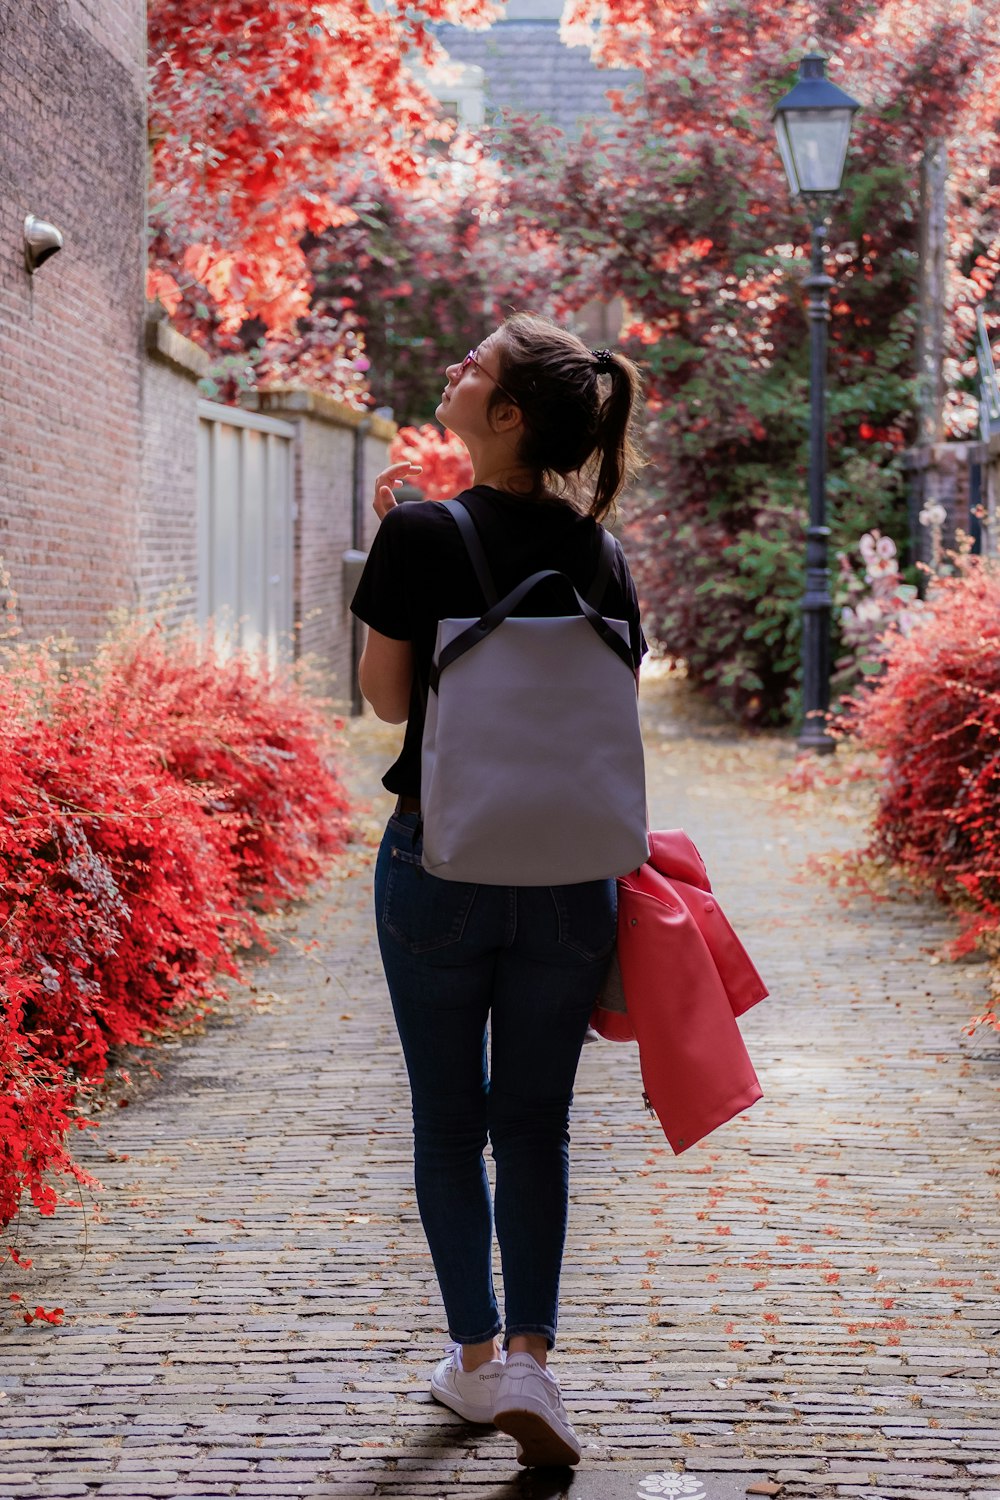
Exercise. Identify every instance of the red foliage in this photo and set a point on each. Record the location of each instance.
(266, 117)
(416, 269)
(146, 801)
(445, 465)
(933, 716)
(36, 1104)
(680, 210)
(41, 1314)
(256, 749)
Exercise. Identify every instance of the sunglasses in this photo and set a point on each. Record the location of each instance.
(470, 359)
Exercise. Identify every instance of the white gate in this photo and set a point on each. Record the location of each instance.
(246, 512)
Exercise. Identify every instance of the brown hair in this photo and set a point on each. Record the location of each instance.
(577, 432)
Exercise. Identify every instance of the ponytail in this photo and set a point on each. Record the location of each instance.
(576, 441)
(619, 457)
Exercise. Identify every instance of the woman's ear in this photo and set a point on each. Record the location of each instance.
(506, 417)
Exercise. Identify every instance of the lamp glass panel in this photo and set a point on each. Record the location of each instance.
(818, 146)
(784, 146)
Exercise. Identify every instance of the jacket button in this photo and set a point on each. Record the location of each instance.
(709, 905)
(634, 922)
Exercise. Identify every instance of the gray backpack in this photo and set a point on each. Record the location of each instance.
(532, 767)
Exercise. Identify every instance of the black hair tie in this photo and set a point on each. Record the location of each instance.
(604, 361)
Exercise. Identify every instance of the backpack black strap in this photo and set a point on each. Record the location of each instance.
(500, 611)
(484, 575)
(475, 549)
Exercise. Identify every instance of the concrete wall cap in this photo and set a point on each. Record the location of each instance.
(945, 455)
(302, 401)
(163, 342)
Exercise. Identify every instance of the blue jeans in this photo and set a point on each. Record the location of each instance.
(531, 960)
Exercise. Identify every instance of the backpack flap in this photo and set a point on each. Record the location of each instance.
(477, 630)
(532, 768)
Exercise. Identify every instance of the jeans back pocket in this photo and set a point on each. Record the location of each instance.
(587, 916)
(421, 911)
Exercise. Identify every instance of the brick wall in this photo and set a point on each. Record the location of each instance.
(939, 474)
(376, 458)
(168, 539)
(98, 476)
(73, 132)
(112, 25)
(991, 496)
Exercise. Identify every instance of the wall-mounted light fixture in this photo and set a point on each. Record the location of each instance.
(41, 239)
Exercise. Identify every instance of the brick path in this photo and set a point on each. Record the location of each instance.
(809, 1297)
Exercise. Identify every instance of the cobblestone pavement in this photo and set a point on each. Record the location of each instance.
(808, 1298)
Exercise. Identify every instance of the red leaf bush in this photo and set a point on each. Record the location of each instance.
(36, 1106)
(933, 717)
(151, 802)
(445, 465)
(258, 751)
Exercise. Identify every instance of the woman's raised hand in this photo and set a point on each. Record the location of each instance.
(385, 499)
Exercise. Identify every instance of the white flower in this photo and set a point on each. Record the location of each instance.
(868, 611)
(671, 1484)
(885, 547)
(933, 514)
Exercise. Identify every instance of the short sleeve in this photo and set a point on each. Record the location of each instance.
(382, 599)
(639, 644)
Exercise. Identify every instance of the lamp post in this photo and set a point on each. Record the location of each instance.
(813, 124)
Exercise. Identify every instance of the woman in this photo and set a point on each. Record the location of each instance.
(546, 422)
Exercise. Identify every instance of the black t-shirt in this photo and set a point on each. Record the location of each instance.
(418, 572)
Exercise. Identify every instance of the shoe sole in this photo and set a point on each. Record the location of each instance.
(541, 1446)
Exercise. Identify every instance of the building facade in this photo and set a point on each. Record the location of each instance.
(527, 69)
(72, 126)
(106, 499)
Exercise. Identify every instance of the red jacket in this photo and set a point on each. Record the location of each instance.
(686, 977)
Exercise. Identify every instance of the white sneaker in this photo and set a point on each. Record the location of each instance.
(529, 1408)
(471, 1393)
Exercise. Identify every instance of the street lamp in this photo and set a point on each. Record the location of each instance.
(813, 123)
